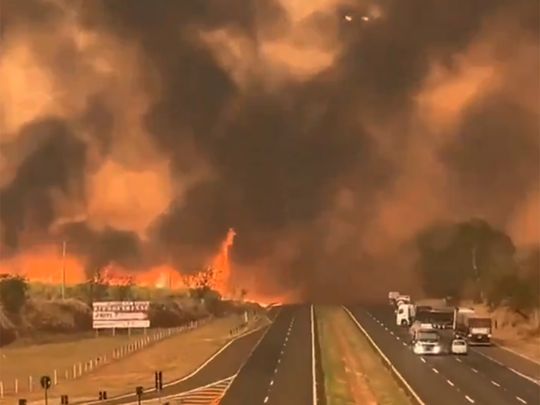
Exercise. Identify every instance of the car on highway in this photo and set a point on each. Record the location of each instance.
(459, 346)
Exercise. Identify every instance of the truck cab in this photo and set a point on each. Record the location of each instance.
(427, 342)
(405, 314)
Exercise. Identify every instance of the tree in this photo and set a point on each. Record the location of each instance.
(13, 292)
(468, 257)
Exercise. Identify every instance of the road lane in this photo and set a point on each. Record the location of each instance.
(516, 362)
(491, 382)
(279, 371)
(426, 383)
(225, 364)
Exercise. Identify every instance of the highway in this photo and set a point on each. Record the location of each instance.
(224, 365)
(446, 379)
(282, 368)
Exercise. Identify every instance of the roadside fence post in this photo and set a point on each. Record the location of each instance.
(55, 377)
(16, 385)
(80, 369)
(66, 374)
(74, 371)
(1, 389)
(30, 384)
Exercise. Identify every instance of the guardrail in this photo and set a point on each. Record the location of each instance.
(78, 369)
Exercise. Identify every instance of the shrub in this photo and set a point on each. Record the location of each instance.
(13, 292)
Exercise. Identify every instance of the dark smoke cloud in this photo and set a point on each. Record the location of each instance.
(278, 158)
(100, 248)
(494, 156)
(56, 163)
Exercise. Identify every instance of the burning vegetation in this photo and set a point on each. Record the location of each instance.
(329, 134)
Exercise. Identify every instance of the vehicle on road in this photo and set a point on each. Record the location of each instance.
(441, 318)
(459, 346)
(403, 299)
(477, 329)
(427, 342)
(405, 314)
(418, 327)
(392, 297)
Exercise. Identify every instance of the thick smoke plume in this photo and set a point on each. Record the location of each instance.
(328, 133)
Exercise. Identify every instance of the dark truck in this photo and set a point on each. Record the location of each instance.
(439, 318)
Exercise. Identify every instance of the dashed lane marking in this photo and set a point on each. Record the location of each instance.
(435, 370)
(450, 383)
(495, 383)
(521, 400)
(469, 399)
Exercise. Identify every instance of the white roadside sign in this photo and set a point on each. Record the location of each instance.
(120, 314)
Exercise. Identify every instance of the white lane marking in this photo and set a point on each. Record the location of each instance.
(313, 365)
(524, 376)
(521, 400)
(435, 370)
(397, 337)
(266, 399)
(458, 359)
(531, 379)
(474, 370)
(404, 344)
(386, 360)
(517, 353)
(423, 360)
(495, 383)
(392, 333)
(450, 383)
(469, 399)
(271, 382)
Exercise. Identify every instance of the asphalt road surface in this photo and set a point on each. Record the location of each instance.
(446, 379)
(224, 365)
(280, 369)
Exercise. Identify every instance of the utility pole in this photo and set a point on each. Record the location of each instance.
(64, 270)
(477, 274)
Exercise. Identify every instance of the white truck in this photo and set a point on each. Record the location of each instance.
(427, 342)
(405, 314)
(473, 327)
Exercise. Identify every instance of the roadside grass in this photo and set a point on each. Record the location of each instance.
(377, 377)
(176, 357)
(21, 361)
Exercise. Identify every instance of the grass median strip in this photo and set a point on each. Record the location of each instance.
(353, 372)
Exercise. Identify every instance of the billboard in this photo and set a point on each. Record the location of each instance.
(120, 314)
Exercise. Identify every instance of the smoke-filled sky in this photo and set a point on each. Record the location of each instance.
(142, 130)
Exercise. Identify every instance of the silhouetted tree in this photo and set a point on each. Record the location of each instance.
(13, 292)
(453, 255)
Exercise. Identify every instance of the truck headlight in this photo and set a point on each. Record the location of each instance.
(489, 335)
(437, 349)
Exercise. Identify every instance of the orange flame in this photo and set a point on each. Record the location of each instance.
(45, 264)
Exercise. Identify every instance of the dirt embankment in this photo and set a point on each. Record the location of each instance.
(514, 330)
(42, 320)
